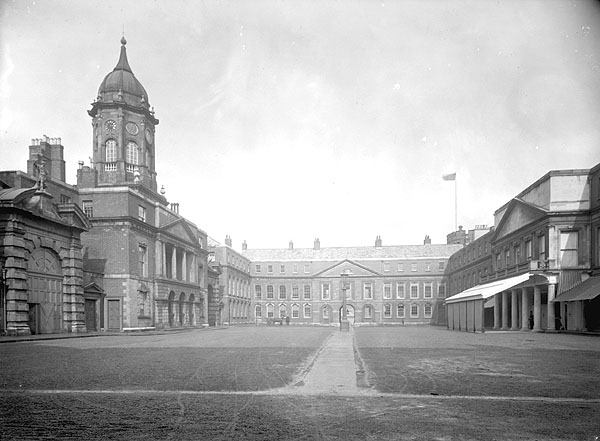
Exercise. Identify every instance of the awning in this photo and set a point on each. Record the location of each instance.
(487, 290)
(587, 290)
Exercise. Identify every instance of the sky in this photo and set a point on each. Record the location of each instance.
(289, 120)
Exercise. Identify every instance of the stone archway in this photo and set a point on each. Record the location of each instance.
(171, 309)
(191, 306)
(350, 314)
(182, 309)
(44, 292)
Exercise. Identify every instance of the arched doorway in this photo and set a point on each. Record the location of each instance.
(171, 309)
(192, 316)
(181, 309)
(349, 314)
(44, 292)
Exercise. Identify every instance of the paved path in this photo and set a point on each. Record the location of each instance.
(333, 372)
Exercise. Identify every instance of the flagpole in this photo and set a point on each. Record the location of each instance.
(455, 204)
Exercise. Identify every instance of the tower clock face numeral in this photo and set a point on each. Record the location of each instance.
(149, 136)
(132, 128)
(110, 125)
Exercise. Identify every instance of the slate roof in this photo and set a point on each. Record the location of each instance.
(416, 252)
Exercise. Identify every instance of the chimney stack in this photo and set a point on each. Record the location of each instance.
(244, 246)
(317, 245)
(291, 245)
(378, 241)
(228, 240)
(427, 240)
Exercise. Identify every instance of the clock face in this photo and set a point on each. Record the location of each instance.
(110, 125)
(132, 128)
(149, 136)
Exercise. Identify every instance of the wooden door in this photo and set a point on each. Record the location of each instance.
(90, 315)
(114, 315)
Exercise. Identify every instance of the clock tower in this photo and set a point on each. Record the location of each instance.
(123, 129)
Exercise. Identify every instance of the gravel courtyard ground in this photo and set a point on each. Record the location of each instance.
(227, 384)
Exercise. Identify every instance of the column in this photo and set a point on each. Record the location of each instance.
(163, 263)
(537, 308)
(514, 311)
(174, 264)
(505, 310)
(497, 301)
(551, 317)
(184, 275)
(524, 309)
(205, 310)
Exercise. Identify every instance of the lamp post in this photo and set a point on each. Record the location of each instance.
(344, 324)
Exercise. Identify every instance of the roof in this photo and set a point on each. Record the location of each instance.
(122, 81)
(487, 290)
(587, 290)
(353, 253)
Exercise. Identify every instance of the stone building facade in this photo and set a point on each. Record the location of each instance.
(397, 285)
(536, 268)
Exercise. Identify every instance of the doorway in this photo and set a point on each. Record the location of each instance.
(90, 315)
(349, 314)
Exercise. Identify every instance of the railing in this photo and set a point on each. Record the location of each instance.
(110, 166)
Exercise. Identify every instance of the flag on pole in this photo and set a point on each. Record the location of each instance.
(450, 177)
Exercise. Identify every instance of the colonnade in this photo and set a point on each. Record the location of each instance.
(179, 265)
(524, 302)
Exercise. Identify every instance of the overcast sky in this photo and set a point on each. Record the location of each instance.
(290, 120)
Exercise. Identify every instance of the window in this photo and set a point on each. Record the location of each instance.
(325, 291)
(307, 310)
(143, 305)
(368, 311)
(441, 266)
(143, 256)
(569, 255)
(517, 253)
(257, 291)
(295, 311)
(427, 310)
(306, 268)
(542, 247)
(64, 199)
(386, 266)
(282, 269)
(295, 293)
(400, 290)
(269, 268)
(257, 268)
(282, 294)
(427, 290)
(269, 291)
(507, 258)
(400, 310)
(414, 290)
(110, 154)
(346, 289)
(528, 251)
(306, 292)
(400, 267)
(88, 208)
(387, 310)
(325, 312)
(270, 310)
(414, 310)
(387, 290)
(132, 154)
(295, 268)
(282, 311)
(413, 266)
(142, 213)
(367, 291)
(498, 261)
(257, 311)
(427, 266)
(442, 290)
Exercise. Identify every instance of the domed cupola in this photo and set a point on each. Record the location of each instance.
(121, 85)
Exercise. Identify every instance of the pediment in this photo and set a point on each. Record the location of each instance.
(356, 270)
(181, 230)
(518, 215)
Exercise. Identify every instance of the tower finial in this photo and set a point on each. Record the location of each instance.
(123, 41)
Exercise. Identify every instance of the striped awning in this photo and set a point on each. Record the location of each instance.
(587, 290)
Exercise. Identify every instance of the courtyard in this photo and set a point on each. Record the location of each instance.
(405, 383)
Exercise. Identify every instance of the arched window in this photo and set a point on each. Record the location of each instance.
(307, 310)
(257, 311)
(325, 311)
(269, 310)
(132, 156)
(111, 151)
(427, 310)
(387, 310)
(295, 311)
(282, 311)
